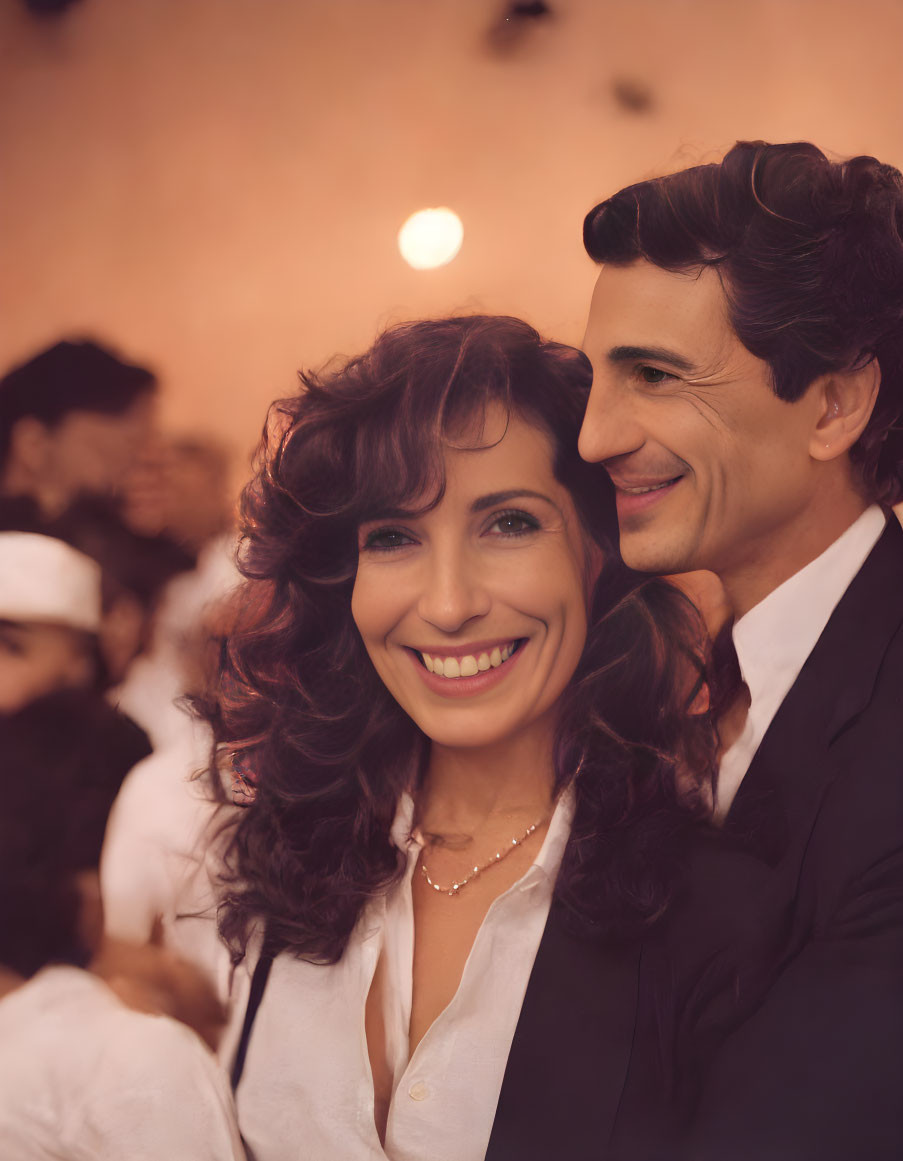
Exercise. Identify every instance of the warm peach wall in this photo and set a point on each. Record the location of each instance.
(216, 184)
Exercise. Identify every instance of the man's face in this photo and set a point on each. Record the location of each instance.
(37, 659)
(89, 453)
(711, 468)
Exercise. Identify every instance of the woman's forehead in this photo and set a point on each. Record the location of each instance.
(507, 455)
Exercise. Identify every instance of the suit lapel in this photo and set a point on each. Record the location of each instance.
(792, 767)
(568, 1061)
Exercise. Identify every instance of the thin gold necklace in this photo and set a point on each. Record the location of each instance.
(453, 890)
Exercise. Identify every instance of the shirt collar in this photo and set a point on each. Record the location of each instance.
(776, 636)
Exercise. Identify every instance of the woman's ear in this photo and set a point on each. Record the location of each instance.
(845, 403)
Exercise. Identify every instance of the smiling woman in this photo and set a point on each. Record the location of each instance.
(465, 726)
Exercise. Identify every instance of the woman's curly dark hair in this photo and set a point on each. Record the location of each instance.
(301, 710)
(810, 253)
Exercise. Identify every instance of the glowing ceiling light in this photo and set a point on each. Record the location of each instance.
(430, 238)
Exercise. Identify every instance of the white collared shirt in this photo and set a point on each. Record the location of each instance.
(776, 636)
(85, 1078)
(307, 1090)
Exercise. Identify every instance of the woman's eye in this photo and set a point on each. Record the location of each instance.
(653, 375)
(513, 524)
(385, 539)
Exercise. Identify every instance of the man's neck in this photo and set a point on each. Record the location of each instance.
(766, 564)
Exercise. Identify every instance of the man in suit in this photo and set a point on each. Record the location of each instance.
(746, 336)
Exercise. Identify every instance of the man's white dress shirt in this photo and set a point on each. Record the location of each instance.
(307, 1090)
(776, 636)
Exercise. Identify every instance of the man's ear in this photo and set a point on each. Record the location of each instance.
(29, 442)
(845, 403)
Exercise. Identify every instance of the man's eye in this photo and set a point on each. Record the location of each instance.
(385, 539)
(653, 374)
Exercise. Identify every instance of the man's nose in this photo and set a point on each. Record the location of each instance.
(610, 426)
(454, 591)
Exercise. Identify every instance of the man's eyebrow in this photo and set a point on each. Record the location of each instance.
(655, 354)
(494, 498)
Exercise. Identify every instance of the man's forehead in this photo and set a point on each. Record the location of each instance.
(643, 305)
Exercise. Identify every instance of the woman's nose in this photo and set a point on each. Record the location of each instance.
(454, 591)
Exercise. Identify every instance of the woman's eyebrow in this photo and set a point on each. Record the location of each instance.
(494, 498)
(390, 514)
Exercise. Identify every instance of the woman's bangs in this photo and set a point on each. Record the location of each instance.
(398, 469)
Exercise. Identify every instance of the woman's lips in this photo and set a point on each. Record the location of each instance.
(487, 674)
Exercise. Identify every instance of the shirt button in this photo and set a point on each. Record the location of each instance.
(418, 1091)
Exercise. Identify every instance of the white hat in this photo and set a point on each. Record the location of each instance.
(45, 579)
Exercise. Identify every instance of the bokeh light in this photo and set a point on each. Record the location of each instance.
(430, 238)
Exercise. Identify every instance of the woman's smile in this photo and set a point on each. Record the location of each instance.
(467, 670)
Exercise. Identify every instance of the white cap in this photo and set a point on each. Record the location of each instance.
(45, 579)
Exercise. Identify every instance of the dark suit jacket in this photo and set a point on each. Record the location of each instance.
(816, 1074)
(764, 1020)
(609, 1050)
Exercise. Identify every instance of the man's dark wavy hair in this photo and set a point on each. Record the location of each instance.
(301, 709)
(810, 255)
(72, 375)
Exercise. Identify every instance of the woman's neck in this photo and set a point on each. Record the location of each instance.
(467, 788)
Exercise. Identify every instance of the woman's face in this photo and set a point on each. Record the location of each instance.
(474, 614)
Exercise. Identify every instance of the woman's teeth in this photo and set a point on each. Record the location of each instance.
(468, 666)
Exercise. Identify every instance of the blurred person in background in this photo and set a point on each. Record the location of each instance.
(50, 618)
(180, 487)
(155, 840)
(72, 421)
(180, 490)
(135, 572)
(83, 580)
(82, 1075)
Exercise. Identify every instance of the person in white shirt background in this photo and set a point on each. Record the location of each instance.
(459, 731)
(179, 489)
(82, 1075)
(746, 336)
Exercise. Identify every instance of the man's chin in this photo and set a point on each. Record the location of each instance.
(644, 553)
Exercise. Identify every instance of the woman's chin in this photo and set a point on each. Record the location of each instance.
(468, 733)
